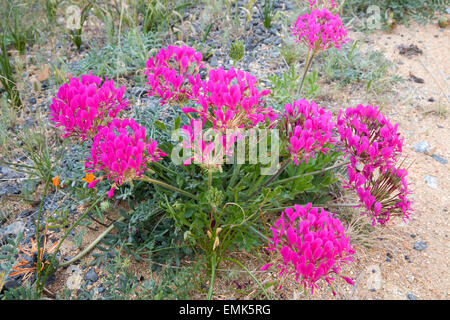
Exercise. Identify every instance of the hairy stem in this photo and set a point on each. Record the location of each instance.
(92, 245)
(311, 173)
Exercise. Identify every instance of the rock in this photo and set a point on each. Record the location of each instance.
(8, 188)
(73, 282)
(422, 146)
(13, 229)
(411, 296)
(11, 174)
(431, 182)
(91, 275)
(100, 288)
(439, 159)
(420, 245)
(213, 62)
(410, 279)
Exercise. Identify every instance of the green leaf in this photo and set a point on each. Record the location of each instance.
(160, 125)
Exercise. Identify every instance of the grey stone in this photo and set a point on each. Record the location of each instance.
(411, 296)
(213, 62)
(439, 159)
(431, 182)
(12, 229)
(8, 188)
(420, 245)
(422, 146)
(91, 275)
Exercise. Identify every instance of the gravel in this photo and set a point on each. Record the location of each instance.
(420, 245)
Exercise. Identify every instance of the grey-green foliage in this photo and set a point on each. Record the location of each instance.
(122, 58)
(351, 64)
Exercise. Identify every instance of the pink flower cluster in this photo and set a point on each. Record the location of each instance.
(374, 147)
(230, 100)
(172, 73)
(309, 128)
(312, 244)
(206, 145)
(84, 104)
(322, 4)
(121, 150)
(320, 29)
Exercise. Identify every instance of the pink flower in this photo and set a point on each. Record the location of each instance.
(173, 72)
(320, 29)
(208, 146)
(322, 4)
(385, 196)
(369, 137)
(230, 100)
(84, 104)
(309, 130)
(312, 245)
(374, 147)
(121, 151)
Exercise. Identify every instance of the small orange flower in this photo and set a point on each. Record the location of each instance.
(89, 178)
(28, 266)
(55, 181)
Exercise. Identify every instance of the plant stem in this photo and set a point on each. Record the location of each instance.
(213, 275)
(210, 175)
(308, 63)
(168, 186)
(92, 245)
(311, 173)
(39, 256)
(53, 257)
(272, 178)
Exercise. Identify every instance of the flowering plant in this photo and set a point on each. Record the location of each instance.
(374, 146)
(121, 152)
(173, 72)
(309, 129)
(231, 100)
(312, 245)
(85, 104)
(320, 29)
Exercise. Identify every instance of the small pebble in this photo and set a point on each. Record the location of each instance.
(411, 296)
(431, 182)
(422, 146)
(91, 275)
(439, 159)
(420, 245)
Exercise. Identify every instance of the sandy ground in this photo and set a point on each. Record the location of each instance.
(421, 109)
